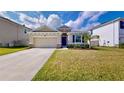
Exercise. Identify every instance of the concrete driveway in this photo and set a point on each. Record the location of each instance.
(23, 65)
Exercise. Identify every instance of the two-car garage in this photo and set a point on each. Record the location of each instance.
(45, 42)
(47, 37)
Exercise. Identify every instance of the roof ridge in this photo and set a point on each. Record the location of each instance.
(13, 21)
(105, 23)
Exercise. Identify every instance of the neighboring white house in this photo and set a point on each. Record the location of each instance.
(110, 33)
(47, 37)
(12, 33)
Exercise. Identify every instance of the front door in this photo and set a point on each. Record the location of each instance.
(64, 41)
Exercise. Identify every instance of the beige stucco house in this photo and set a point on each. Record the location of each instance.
(47, 37)
(12, 33)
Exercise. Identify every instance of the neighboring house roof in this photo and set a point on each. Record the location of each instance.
(44, 29)
(13, 22)
(106, 23)
(64, 28)
(48, 29)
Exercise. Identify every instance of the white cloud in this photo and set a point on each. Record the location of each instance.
(54, 21)
(31, 22)
(97, 15)
(3, 13)
(42, 20)
(89, 26)
(83, 16)
(70, 23)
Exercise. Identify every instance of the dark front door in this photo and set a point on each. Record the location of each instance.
(64, 41)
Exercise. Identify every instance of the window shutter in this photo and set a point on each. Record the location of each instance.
(73, 38)
(121, 24)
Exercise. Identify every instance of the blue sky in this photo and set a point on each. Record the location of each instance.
(78, 20)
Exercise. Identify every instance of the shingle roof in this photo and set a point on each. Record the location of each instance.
(12, 21)
(44, 29)
(106, 23)
(64, 28)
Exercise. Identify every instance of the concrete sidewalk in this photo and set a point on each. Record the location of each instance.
(23, 65)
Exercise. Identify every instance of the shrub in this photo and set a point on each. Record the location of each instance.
(86, 45)
(78, 46)
(70, 46)
(121, 45)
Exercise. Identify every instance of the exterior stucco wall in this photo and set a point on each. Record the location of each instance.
(10, 32)
(116, 33)
(22, 35)
(109, 34)
(46, 35)
(70, 38)
(121, 34)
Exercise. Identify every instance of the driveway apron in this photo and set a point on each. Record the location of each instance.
(23, 65)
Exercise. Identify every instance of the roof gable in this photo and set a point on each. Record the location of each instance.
(8, 20)
(44, 29)
(64, 28)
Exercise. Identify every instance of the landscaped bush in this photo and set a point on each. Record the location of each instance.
(21, 46)
(78, 46)
(70, 46)
(121, 45)
(0, 44)
(86, 45)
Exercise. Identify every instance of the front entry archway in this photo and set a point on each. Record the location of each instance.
(64, 39)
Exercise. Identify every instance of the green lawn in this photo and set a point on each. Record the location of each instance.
(4, 51)
(100, 64)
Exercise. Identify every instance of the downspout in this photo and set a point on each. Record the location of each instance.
(81, 38)
(75, 38)
(17, 32)
(119, 34)
(113, 34)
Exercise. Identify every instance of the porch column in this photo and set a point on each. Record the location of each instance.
(75, 38)
(81, 39)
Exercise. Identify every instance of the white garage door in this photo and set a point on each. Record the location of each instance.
(45, 42)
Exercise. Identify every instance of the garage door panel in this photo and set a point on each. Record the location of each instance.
(45, 42)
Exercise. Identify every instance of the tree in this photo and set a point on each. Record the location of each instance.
(87, 38)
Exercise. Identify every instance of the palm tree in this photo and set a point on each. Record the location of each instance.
(87, 38)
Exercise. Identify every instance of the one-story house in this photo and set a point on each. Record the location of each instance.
(106, 34)
(109, 33)
(47, 37)
(12, 33)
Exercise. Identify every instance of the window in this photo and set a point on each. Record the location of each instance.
(25, 31)
(82, 39)
(78, 38)
(73, 38)
(122, 24)
(108, 41)
(91, 32)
